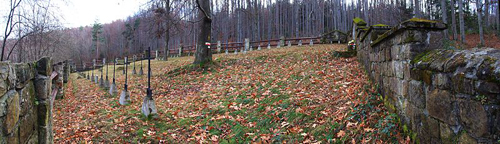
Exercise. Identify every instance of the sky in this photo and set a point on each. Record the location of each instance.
(78, 13)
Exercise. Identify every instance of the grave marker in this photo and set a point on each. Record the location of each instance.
(133, 60)
(141, 72)
(101, 81)
(125, 95)
(112, 88)
(148, 105)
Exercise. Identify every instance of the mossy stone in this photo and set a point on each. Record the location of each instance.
(13, 110)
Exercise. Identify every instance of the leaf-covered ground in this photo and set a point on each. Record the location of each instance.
(293, 95)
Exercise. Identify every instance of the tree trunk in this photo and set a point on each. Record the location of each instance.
(480, 24)
(416, 11)
(498, 16)
(167, 32)
(487, 13)
(445, 17)
(453, 20)
(203, 53)
(462, 23)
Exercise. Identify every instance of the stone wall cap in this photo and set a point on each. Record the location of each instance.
(423, 23)
(359, 22)
(376, 27)
(414, 24)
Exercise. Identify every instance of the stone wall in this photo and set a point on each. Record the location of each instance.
(26, 102)
(442, 95)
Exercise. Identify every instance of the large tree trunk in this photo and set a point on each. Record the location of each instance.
(480, 24)
(445, 17)
(203, 53)
(462, 23)
(453, 20)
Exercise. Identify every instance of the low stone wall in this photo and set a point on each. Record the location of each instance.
(443, 96)
(26, 102)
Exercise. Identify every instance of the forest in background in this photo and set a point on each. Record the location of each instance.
(34, 29)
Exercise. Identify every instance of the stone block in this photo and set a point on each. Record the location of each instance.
(426, 128)
(485, 88)
(28, 97)
(24, 73)
(406, 70)
(13, 110)
(44, 66)
(44, 113)
(466, 139)
(416, 94)
(28, 127)
(427, 77)
(7, 77)
(45, 135)
(446, 134)
(398, 69)
(440, 106)
(461, 84)
(42, 87)
(416, 74)
(439, 59)
(387, 54)
(395, 54)
(401, 87)
(66, 71)
(441, 80)
(389, 68)
(474, 118)
(411, 36)
(13, 137)
(457, 60)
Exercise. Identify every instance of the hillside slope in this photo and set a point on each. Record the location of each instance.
(298, 94)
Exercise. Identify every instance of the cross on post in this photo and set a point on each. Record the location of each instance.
(112, 88)
(148, 105)
(125, 96)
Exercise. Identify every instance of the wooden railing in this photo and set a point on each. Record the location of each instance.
(190, 50)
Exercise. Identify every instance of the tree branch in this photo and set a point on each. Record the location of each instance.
(202, 10)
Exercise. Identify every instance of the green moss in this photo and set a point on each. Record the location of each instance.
(380, 25)
(389, 105)
(409, 39)
(420, 20)
(358, 21)
(422, 57)
(384, 35)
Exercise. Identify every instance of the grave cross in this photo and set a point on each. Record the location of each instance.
(112, 88)
(148, 106)
(125, 96)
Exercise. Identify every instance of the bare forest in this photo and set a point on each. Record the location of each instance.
(33, 28)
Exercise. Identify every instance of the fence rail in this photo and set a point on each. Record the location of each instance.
(219, 47)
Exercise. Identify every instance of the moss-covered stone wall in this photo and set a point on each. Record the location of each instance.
(26, 102)
(443, 96)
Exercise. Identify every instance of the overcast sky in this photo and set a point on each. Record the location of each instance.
(84, 12)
